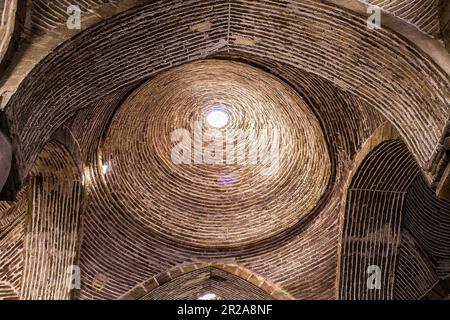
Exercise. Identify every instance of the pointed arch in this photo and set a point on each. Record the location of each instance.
(228, 281)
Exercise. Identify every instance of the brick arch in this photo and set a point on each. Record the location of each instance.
(55, 194)
(396, 87)
(424, 254)
(371, 216)
(418, 253)
(263, 285)
(39, 232)
(348, 122)
(379, 136)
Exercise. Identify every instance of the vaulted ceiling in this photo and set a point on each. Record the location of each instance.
(87, 124)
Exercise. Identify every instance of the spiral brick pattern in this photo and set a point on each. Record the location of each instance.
(224, 201)
(154, 230)
(301, 260)
(287, 32)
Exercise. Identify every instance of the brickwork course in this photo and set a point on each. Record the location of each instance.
(93, 205)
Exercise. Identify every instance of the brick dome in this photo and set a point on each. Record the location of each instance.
(240, 195)
(238, 149)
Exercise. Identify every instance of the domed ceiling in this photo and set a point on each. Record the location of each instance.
(266, 167)
(236, 149)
